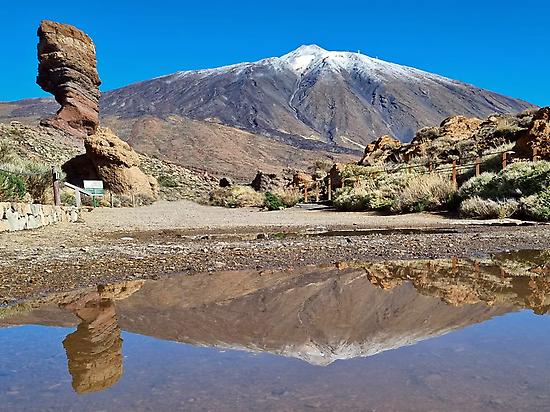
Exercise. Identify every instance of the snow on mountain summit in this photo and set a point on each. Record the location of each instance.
(309, 57)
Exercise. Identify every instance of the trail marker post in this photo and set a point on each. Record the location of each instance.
(478, 166)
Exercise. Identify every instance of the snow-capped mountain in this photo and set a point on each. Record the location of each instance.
(341, 98)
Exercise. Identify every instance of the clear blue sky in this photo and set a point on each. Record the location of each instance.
(501, 45)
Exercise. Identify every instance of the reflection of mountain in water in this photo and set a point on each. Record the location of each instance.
(318, 314)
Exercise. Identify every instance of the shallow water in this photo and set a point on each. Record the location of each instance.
(387, 336)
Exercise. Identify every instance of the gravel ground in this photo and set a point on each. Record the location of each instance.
(117, 244)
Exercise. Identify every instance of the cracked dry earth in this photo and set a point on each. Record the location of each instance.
(168, 237)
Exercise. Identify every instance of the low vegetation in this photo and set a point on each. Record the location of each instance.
(23, 179)
(400, 192)
(237, 196)
(521, 190)
(246, 196)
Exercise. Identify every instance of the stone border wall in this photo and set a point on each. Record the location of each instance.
(26, 216)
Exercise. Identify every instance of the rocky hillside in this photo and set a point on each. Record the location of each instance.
(50, 146)
(234, 120)
(526, 134)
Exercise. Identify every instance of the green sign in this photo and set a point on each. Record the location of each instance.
(95, 187)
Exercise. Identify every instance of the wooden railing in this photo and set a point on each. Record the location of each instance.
(453, 168)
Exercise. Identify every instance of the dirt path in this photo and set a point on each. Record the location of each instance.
(188, 215)
(117, 244)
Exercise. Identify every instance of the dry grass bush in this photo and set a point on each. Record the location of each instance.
(289, 196)
(479, 208)
(38, 182)
(424, 192)
(401, 192)
(236, 196)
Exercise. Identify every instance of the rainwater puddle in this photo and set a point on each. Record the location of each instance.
(450, 335)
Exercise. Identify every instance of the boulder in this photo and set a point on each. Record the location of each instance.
(459, 127)
(68, 70)
(302, 179)
(270, 182)
(117, 164)
(536, 137)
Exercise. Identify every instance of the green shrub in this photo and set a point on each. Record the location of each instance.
(352, 199)
(517, 180)
(68, 198)
(12, 187)
(273, 202)
(167, 181)
(479, 186)
(523, 179)
(537, 206)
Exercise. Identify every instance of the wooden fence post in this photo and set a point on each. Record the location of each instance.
(329, 188)
(478, 166)
(316, 191)
(535, 154)
(56, 189)
(454, 173)
(77, 198)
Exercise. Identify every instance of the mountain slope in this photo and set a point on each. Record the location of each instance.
(333, 97)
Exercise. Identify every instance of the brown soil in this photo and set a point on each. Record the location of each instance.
(118, 244)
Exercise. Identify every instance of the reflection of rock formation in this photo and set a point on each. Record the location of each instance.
(94, 350)
(518, 279)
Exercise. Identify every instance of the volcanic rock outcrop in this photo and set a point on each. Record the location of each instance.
(536, 137)
(67, 69)
(463, 138)
(380, 148)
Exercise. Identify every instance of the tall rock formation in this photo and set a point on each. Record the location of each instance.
(68, 69)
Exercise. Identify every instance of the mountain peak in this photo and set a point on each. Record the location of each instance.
(301, 58)
(309, 49)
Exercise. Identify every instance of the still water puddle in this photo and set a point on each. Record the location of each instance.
(450, 335)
